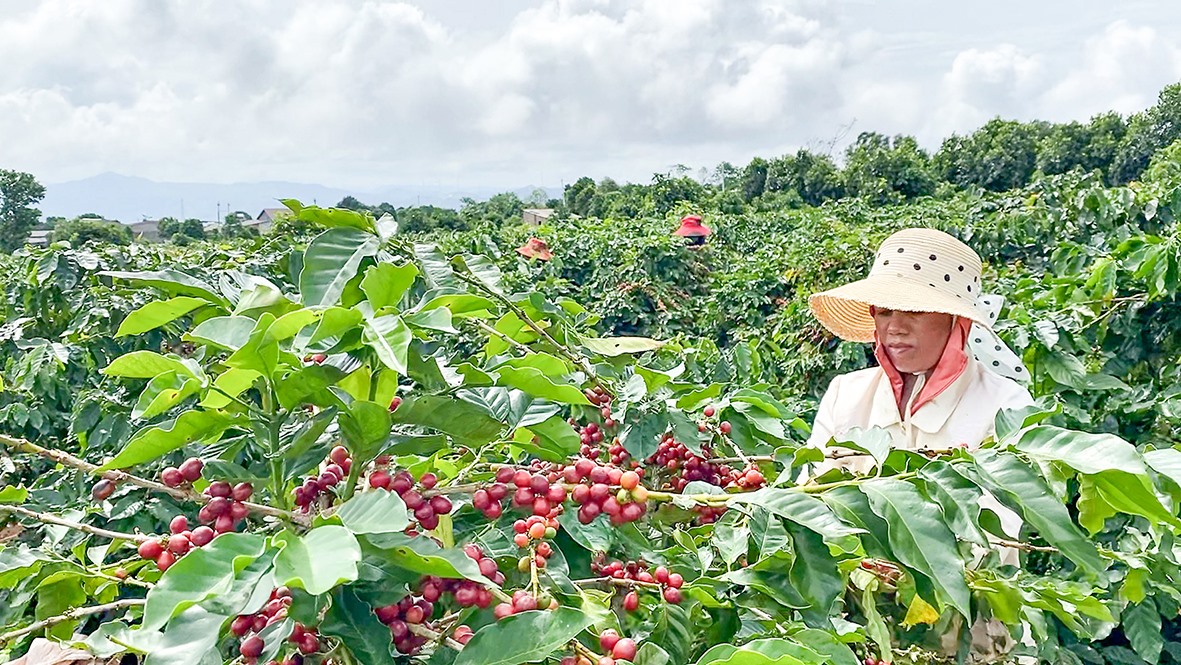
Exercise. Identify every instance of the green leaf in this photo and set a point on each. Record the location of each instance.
(618, 346)
(162, 393)
(919, 538)
(365, 427)
(331, 260)
(825, 644)
(958, 498)
(390, 338)
(11, 494)
(352, 620)
(332, 218)
(674, 630)
(172, 281)
(375, 511)
(230, 383)
(188, 639)
(223, 332)
(422, 556)
(466, 422)
(1142, 626)
(1081, 451)
(1126, 493)
(639, 438)
(385, 284)
(814, 574)
(770, 651)
(156, 441)
(528, 637)
(876, 442)
(319, 560)
(805, 510)
(534, 382)
(556, 439)
(203, 573)
(147, 365)
(157, 313)
(1020, 488)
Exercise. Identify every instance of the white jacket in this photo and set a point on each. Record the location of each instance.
(964, 412)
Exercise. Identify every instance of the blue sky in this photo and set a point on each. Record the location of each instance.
(512, 93)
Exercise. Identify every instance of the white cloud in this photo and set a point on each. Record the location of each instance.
(368, 92)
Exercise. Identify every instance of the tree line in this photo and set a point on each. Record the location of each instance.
(999, 156)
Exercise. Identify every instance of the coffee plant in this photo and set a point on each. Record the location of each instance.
(374, 449)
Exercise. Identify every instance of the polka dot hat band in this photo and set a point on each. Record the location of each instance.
(921, 270)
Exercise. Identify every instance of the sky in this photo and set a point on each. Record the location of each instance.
(510, 93)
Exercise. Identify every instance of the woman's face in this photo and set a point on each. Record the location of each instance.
(914, 341)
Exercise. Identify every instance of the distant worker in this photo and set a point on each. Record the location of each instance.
(693, 229)
(536, 248)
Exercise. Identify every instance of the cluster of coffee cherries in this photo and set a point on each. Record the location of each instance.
(601, 399)
(316, 358)
(522, 601)
(594, 494)
(336, 470)
(684, 466)
(187, 473)
(466, 592)
(180, 541)
(870, 660)
(425, 510)
(227, 505)
(537, 492)
(614, 647)
(535, 531)
(401, 616)
(670, 582)
(248, 626)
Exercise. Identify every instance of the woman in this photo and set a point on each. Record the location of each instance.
(942, 373)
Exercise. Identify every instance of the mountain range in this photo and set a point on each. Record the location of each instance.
(130, 199)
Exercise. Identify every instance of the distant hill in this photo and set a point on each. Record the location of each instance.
(130, 199)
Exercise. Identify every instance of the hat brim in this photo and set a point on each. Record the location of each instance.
(845, 309)
(543, 254)
(692, 231)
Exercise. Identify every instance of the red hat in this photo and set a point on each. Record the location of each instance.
(536, 248)
(691, 226)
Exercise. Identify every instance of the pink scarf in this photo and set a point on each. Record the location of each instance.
(949, 368)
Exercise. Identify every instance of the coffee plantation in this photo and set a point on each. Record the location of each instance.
(345, 444)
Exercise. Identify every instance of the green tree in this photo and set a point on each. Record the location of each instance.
(83, 230)
(1089, 147)
(999, 156)
(816, 178)
(882, 169)
(19, 192)
(1155, 128)
(754, 179)
(578, 196)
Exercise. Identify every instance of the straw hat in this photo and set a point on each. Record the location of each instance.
(915, 270)
(535, 248)
(691, 226)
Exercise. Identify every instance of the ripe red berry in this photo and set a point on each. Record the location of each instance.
(631, 602)
(164, 560)
(624, 649)
(309, 643)
(191, 469)
(709, 411)
(241, 624)
(172, 477)
(428, 480)
(178, 544)
(675, 580)
(178, 524)
(395, 403)
(150, 549)
(380, 479)
(319, 358)
(724, 427)
(672, 595)
(102, 490)
(242, 492)
(440, 504)
(120, 573)
(220, 489)
(607, 639)
(660, 574)
(251, 647)
(537, 531)
(338, 455)
(201, 536)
